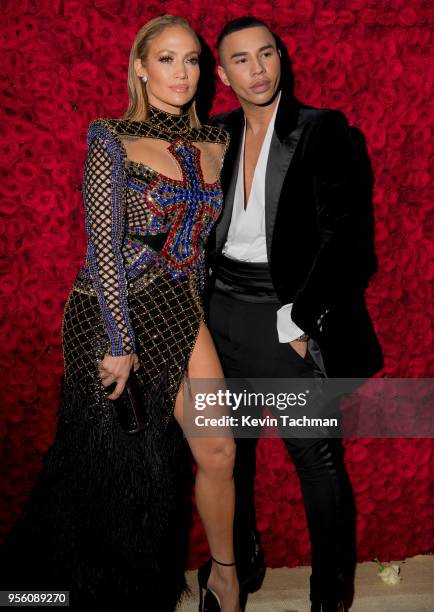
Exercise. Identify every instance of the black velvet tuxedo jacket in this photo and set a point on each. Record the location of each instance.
(317, 252)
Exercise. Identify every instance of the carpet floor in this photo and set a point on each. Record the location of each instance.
(286, 589)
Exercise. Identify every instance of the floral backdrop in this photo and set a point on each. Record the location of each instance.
(63, 63)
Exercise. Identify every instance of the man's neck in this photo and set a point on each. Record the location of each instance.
(258, 117)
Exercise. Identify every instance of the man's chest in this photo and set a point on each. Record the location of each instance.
(252, 150)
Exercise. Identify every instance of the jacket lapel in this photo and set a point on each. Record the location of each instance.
(229, 178)
(282, 148)
(286, 135)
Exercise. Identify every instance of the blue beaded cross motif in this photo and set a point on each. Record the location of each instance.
(192, 204)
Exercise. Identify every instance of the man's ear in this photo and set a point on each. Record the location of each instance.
(222, 74)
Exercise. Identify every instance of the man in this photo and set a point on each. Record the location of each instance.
(288, 275)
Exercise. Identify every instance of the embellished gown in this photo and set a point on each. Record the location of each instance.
(108, 518)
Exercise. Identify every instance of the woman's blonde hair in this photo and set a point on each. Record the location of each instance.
(138, 105)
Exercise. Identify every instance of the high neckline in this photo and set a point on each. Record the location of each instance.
(169, 122)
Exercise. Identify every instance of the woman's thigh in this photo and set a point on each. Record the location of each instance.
(209, 446)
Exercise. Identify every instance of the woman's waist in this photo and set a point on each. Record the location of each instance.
(139, 277)
(174, 249)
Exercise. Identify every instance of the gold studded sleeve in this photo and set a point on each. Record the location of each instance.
(104, 218)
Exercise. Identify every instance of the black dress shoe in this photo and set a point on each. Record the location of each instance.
(251, 572)
(328, 606)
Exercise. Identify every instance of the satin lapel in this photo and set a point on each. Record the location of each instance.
(279, 159)
(287, 131)
(230, 173)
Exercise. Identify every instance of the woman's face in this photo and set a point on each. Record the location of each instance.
(172, 69)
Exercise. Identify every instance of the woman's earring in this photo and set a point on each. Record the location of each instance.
(145, 79)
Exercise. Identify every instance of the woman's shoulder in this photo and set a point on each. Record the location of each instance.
(211, 133)
(129, 129)
(108, 131)
(104, 124)
(120, 129)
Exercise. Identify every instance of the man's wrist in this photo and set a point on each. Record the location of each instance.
(302, 338)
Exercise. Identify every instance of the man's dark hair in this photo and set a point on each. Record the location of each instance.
(236, 25)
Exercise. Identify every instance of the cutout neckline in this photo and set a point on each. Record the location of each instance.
(178, 181)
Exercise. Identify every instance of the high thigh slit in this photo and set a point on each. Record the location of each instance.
(96, 479)
(109, 516)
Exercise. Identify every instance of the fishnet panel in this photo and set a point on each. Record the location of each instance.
(103, 195)
(166, 316)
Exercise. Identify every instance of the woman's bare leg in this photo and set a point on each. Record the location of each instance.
(215, 492)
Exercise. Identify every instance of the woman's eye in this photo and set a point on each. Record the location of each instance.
(241, 61)
(194, 60)
(165, 58)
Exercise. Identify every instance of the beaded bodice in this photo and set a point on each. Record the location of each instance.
(139, 221)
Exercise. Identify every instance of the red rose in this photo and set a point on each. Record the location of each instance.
(376, 134)
(303, 9)
(48, 304)
(385, 17)
(386, 95)
(290, 43)
(336, 79)
(26, 30)
(109, 6)
(311, 91)
(305, 58)
(325, 49)
(26, 171)
(396, 137)
(345, 18)
(378, 71)
(407, 16)
(355, 5)
(344, 51)
(277, 460)
(365, 505)
(418, 36)
(325, 18)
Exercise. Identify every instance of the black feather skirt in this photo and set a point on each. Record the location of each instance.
(109, 516)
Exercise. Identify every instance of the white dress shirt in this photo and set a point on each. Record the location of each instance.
(246, 236)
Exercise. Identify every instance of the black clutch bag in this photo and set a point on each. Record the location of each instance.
(134, 406)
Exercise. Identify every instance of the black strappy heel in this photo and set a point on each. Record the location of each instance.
(209, 600)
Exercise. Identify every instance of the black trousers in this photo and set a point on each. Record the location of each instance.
(246, 339)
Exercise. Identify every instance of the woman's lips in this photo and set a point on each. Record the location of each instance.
(260, 86)
(179, 88)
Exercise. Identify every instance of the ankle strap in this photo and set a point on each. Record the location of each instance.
(220, 563)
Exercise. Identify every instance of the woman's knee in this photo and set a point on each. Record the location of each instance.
(215, 454)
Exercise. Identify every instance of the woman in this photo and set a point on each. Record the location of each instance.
(108, 518)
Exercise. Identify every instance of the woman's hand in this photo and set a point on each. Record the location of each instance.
(116, 370)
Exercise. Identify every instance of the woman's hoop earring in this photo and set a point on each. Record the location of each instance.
(145, 79)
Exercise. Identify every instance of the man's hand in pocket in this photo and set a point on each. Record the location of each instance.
(300, 347)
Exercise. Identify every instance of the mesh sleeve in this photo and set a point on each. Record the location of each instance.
(104, 217)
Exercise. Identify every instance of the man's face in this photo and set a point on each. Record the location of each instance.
(250, 64)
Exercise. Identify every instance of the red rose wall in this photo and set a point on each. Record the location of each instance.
(64, 64)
